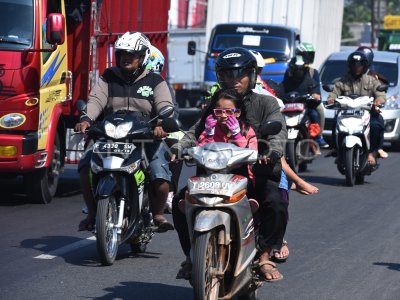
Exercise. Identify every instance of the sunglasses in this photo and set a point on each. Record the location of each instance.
(227, 111)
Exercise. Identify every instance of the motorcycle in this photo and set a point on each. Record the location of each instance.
(119, 167)
(297, 123)
(352, 137)
(220, 222)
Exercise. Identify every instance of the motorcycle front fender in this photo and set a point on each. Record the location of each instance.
(106, 185)
(209, 219)
(351, 140)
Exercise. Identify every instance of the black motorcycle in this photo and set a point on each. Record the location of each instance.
(119, 168)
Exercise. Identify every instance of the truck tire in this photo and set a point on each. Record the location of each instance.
(41, 184)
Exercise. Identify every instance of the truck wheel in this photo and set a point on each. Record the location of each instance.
(41, 184)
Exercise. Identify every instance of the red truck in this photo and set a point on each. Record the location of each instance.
(51, 54)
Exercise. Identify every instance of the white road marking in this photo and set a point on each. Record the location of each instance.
(66, 249)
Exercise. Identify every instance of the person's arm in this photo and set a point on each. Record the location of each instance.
(380, 97)
(162, 96)
(97, 99)
(188, 140)
(205, 139)
(272, 113)
(337, 91)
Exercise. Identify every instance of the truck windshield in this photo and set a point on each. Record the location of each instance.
(335, 69)
(16, 24)
(271, 42)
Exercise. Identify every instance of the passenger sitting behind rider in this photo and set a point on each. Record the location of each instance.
(358, 82)
(129, 86)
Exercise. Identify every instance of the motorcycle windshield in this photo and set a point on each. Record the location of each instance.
(16, 24)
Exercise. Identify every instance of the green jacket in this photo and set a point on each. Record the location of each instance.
(364, 86)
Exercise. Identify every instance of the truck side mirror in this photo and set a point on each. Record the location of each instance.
(55, 29)
(191, 48)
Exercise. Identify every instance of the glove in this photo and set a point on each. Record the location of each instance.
(210, 125)
(233, 125)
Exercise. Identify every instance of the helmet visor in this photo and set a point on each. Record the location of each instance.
(231, 75)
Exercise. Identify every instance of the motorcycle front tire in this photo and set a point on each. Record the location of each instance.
(205, 259)
(106, 234)
(350, 167)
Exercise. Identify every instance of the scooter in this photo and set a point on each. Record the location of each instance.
(220, 222)
(352, 137)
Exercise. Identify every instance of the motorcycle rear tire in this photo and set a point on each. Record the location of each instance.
(205, 258)
(291, 154)
(349, 167)
(106, 234)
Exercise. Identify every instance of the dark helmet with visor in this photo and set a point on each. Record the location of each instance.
(368, 53)
(233, 64)
(356, 60)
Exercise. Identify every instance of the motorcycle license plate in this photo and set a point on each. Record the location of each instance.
(352, 112)
(211, 187)
(289, 107)
(122, 148)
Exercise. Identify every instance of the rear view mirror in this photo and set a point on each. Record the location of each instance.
(191, 48)
(81, 106)
(165, 112)
(170, 125)
(270, 128)
(382, 88)
(327, 87)
(55, 29)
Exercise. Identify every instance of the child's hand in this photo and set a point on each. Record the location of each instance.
(210, 125)
(233, 125)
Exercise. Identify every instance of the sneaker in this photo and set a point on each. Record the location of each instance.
(321, 142)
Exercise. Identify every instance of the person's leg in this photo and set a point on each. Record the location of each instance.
(86, 186)
(377, 127)
(160, 177)
(320, 139)
(273, 215)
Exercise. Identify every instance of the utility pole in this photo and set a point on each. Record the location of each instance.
(372, 24)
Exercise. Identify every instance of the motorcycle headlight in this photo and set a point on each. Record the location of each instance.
(12, 120)
(117, 132)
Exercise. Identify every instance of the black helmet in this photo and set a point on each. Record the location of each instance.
(357, 59)
(297, 67)
(368, 53)
(234, 63)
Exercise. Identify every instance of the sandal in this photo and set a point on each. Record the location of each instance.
(275, 251)
(86, 224)
(162, 224)
(269, 271)
(185, 272)
(383, 154)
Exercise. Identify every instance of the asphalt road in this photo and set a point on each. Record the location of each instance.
(344, 244)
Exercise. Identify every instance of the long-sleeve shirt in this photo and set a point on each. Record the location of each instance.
(248, 141)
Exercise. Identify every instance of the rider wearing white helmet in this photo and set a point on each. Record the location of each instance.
(156, 60)
(130, 86)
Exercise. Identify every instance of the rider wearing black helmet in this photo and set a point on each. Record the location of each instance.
(357, 81)
(236, 68)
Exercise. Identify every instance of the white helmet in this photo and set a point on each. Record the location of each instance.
(134, 42)
(259, 58)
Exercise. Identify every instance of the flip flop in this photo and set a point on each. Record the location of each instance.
(269, 271)
(280, 259)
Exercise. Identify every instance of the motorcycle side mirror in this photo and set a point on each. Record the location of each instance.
(165, 112)
(171, 125)
(327, 87)
(191, 48)
(81, 106)
(382, 88)
(270, 128)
